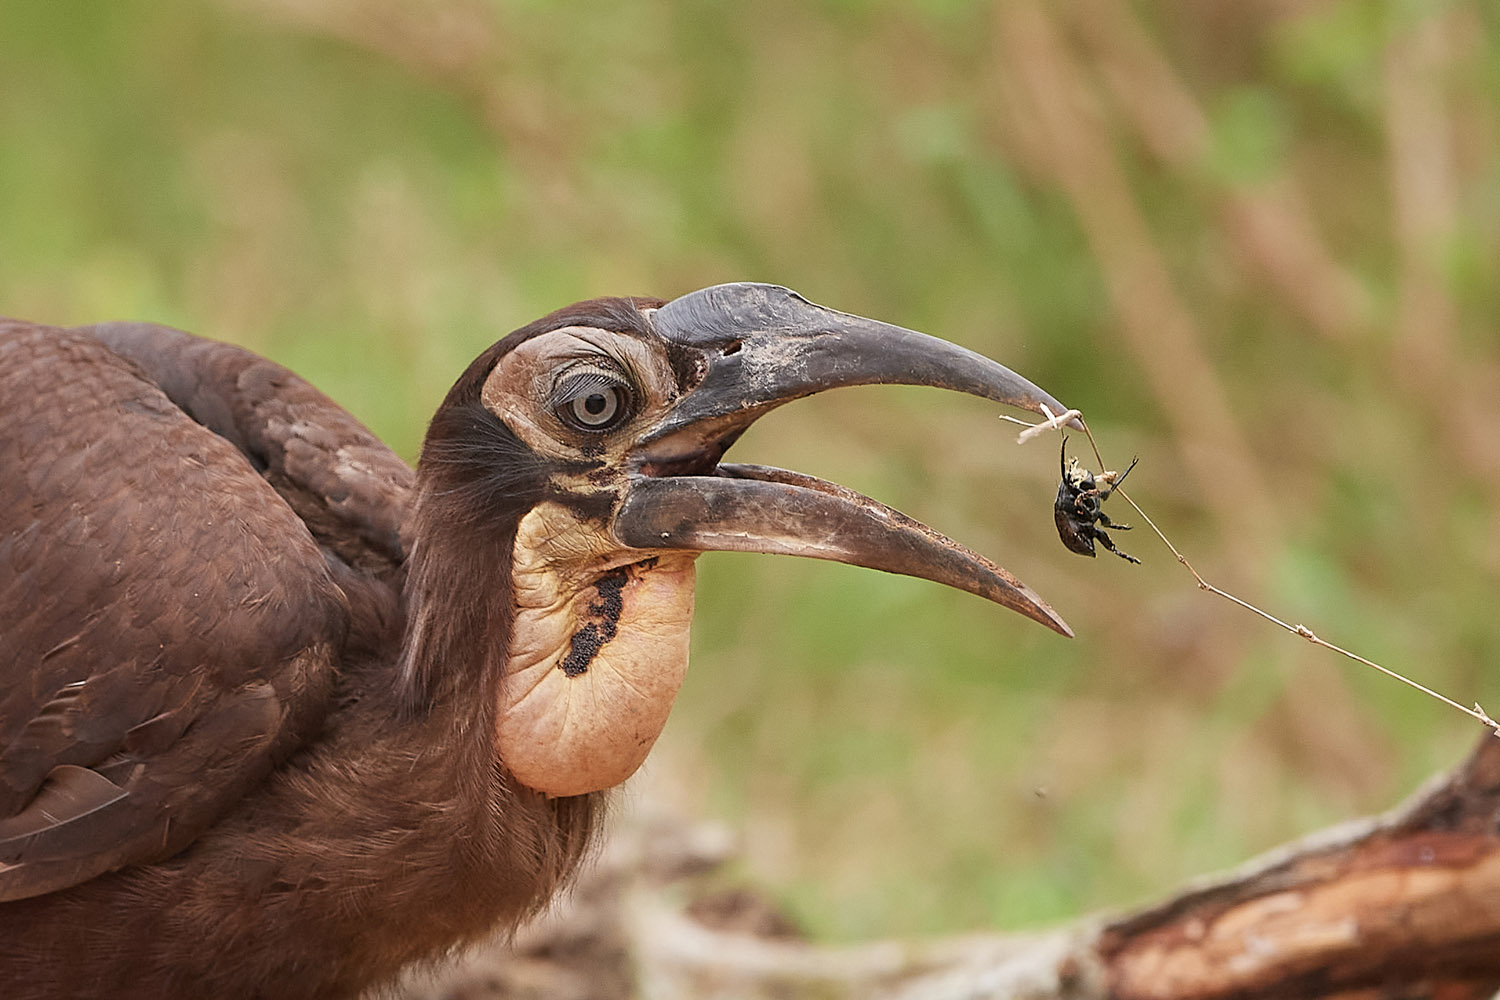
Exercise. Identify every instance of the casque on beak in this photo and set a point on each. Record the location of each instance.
(754, 347)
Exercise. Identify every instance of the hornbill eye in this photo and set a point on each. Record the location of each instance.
(593, 401)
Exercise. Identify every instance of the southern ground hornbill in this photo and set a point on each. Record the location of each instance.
(278, 716)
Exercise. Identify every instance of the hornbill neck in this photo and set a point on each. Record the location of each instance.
(394, 840)
(423, 839)
(474, 482)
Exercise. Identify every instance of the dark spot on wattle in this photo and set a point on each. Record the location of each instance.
(581, 651)
(604, 623)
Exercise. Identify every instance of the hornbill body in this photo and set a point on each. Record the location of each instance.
(279, 716)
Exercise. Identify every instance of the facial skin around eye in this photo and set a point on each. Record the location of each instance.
(540, 390)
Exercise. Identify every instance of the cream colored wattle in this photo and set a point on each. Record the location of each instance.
(568, 735)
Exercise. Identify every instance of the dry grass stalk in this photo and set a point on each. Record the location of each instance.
(1419, 138)
(1268, 221)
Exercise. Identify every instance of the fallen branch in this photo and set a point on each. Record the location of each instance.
(1406, 904)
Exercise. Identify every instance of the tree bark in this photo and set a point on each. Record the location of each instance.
(1409, 901)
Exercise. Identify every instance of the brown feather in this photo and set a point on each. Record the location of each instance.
(201, 577)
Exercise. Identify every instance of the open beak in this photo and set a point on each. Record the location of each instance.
(756, 347)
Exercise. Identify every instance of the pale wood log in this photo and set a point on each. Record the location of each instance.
(1405, 905)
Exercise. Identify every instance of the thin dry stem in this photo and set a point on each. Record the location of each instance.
(1054, 422)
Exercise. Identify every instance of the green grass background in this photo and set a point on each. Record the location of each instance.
(1258, 244)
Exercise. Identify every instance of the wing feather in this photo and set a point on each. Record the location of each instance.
(344, 482)
(173, 539)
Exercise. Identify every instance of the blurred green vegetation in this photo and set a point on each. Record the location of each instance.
(1257, 244)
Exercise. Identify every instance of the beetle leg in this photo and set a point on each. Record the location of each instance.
(1104, 540)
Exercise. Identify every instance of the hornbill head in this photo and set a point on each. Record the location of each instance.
(594, 438)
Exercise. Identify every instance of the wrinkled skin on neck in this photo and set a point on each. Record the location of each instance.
(597, 652)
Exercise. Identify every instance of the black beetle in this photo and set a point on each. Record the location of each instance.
(1078, 511)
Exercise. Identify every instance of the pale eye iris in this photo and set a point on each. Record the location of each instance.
(593, 401)
(598, 408)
